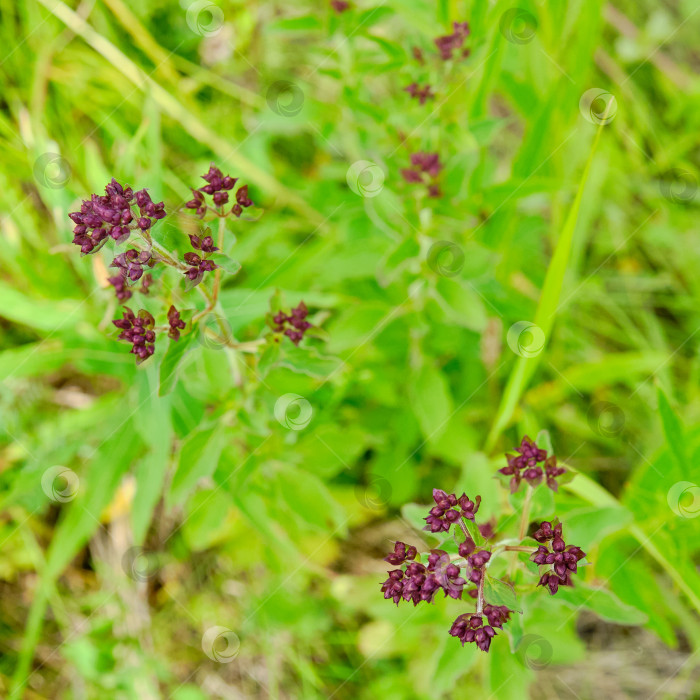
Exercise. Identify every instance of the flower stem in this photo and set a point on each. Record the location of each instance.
(525, 515)
(511, 548)
(480, 595)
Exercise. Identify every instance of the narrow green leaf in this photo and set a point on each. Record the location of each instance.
(170, 365)
(673, 431)
(603, 603)
(199, 457)
(546, 309)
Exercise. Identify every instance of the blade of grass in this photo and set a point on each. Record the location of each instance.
(173, 108)
(546, 309)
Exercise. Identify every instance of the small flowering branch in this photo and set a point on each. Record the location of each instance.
(121, 212)
(419, 582)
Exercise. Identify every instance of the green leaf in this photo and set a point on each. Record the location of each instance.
(603, 603)
(307, 360)
(225, 263)
(546, 309)
(198, 459)
(172, 360)
(499, 592)
(587, 526)
(673, 431)
(153, 420)
(431, 400)
(307, 497)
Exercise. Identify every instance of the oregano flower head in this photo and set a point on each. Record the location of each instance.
(476, 549)
(121, 212)
(525, 466)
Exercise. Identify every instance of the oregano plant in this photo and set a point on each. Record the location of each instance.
(470, 550)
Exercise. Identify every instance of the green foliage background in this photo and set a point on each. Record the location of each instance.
(277, 534)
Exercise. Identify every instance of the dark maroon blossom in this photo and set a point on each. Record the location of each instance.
(401, 553)
(218, 187)
(476, 563)
(449, 509)
(552, 471)
(293, 325)
(452, 42)
(425, 168)
(562, 558)
(340, 5)
(470, 627)
(447, 573)
(138, 330)
(199, 264)
(422, 94)
(525, 465)
(175, 322)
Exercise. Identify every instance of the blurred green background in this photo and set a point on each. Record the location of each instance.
(201, 510)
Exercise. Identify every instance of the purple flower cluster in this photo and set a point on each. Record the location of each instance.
(417, 582)
(524, 465)
(175, 322)
(218, 186)
(422, 94)
(425, 168)
(449, 509)
(340, 5)
(293, 326)
(112, 216)
(138, 330)
(563, 559)
(470, 627)
(452, 42)
(130, 266)
(199, 264)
